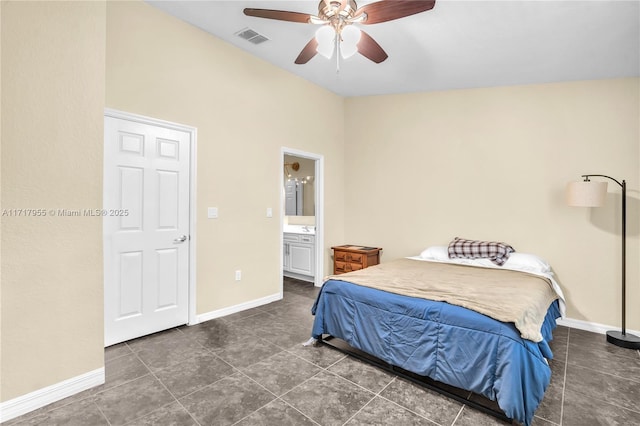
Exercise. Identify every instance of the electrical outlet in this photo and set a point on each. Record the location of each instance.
(238, 275)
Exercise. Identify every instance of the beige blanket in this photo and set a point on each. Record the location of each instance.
(502, 294)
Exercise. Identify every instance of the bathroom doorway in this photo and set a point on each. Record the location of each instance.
(302, 215)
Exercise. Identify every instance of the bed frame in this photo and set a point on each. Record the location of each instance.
(478, 402)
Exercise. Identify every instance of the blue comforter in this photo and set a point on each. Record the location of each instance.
(445, 342)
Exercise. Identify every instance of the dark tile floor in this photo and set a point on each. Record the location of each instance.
(251, 369)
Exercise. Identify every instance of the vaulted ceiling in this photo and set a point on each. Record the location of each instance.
(456, 45)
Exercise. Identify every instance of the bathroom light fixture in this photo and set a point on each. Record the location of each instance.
(592, 194)
(295, 166)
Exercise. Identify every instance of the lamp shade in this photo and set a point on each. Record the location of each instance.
(325, 37)
(586, 194)
(349, 41)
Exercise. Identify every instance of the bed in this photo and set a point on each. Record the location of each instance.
(404, 313)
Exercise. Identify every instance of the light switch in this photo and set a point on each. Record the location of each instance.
(212, 212)
(269, 212)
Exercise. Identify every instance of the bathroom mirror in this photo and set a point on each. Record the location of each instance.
(299, 186)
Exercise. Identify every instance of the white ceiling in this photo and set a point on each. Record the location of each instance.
(456, 45)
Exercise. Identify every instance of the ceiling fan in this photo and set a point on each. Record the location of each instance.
(337, 31)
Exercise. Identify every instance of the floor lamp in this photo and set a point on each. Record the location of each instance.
(592, 194)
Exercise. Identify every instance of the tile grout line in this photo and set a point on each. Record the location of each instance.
(624, 355)
(170, 393)
(378, 394)
(375, 395)
(305, 416)
(276, 397)
(288, 351)
(119, 356)
(360, 410)
(395, 378)
(598, 371)
(235, 371)
(101, 412)
(215, 355)
(261, 407)
(458, 415)
(619, 356)
(326, 371)
(311, 362)
(627, 379)
(564, 376)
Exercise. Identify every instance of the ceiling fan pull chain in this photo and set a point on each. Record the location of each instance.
(337, 53)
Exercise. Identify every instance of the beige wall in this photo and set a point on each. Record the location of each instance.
(243, 108)
(53, 64)
(493, 164)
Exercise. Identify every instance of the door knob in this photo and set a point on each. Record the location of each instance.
(182, 239)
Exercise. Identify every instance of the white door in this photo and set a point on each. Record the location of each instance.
(146, 228)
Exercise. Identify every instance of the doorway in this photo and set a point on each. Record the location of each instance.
(317, 256)
(148, 225)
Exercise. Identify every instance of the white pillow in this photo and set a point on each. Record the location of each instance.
(527, 262)
(440, 253)
(518, 261)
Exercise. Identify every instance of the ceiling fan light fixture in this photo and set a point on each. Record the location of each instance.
(325, 37)
(350, 37)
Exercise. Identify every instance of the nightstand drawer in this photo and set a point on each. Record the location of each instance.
(341, 267)
(345, 256)
(349, 258)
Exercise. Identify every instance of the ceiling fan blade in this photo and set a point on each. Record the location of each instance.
(370, 49)
(280, 15)
(308, 52)
(383, 11)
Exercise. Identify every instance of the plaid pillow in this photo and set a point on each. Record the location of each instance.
(496, 252)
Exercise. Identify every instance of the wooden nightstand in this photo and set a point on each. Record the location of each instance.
(349, 258)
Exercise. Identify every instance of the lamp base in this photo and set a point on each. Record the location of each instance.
(629, 341)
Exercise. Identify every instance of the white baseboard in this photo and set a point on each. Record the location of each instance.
(590, 326)
(238, 308)
(32, 401)
(300, 277)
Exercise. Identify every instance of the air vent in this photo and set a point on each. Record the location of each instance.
(251, 36)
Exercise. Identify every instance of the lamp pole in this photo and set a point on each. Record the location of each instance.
(618, 338)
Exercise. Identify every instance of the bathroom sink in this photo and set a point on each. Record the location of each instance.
(299, 229)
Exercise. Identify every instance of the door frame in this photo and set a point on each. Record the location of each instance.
(193, 135)
(318, 199)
